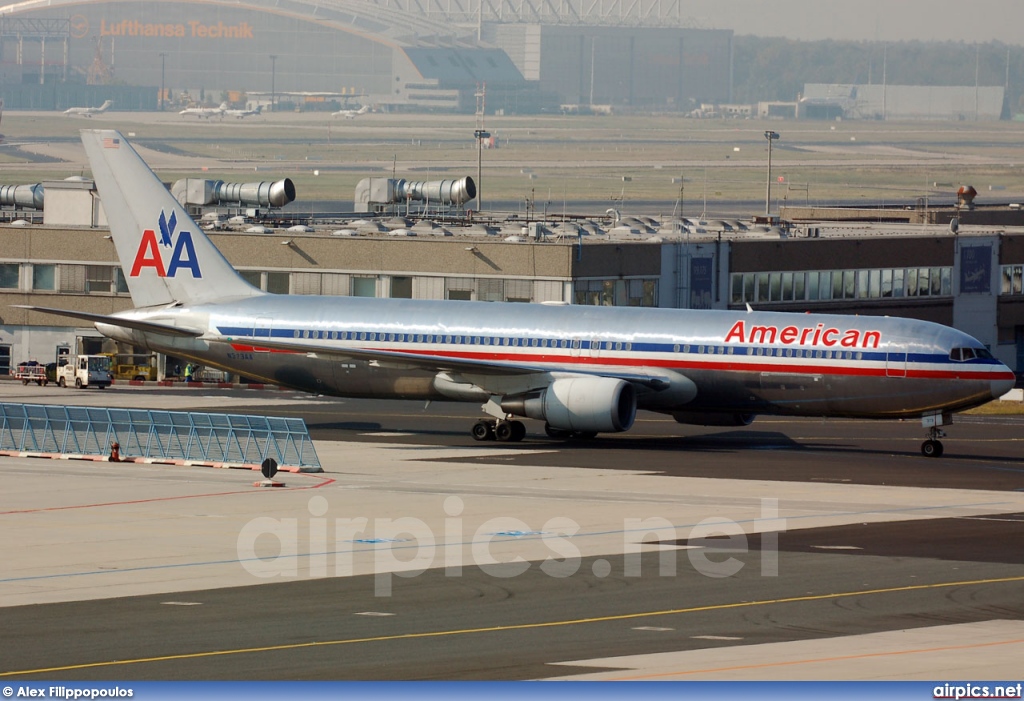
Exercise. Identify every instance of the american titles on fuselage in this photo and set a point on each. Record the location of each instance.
(817, 335)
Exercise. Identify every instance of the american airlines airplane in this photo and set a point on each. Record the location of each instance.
(89, 111)
(581, 370)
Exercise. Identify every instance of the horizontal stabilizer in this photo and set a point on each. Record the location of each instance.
(138, 324)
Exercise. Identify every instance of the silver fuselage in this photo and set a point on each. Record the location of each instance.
(745, 362)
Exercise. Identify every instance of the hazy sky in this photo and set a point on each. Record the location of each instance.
(882, 20)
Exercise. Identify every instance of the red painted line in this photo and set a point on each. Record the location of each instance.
(326, 481)
(735, 365)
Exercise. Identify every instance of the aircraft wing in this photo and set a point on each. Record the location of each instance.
(440, 363)
(148, 326)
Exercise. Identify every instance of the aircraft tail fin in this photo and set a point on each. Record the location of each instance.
(165, 256)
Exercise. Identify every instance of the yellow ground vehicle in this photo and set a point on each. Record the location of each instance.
(132, 366)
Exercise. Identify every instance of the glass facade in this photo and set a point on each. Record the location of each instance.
(830, 285)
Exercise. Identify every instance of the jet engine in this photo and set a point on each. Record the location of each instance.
(713, 418)
(601, 404)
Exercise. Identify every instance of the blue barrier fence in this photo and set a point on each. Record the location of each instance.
(172, 435)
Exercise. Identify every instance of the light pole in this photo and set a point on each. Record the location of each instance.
(770, 136)
(273, 78)
(163, 59)
(480, 135)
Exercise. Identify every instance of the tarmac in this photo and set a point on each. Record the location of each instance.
(449, 538)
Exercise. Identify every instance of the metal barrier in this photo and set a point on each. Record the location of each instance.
(190, 437)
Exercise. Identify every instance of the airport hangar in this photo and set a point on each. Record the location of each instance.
(313, 54)
(895, 261)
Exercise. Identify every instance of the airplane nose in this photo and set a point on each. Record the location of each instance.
(1003, 385)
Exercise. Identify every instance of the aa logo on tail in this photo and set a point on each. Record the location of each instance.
(183, 255)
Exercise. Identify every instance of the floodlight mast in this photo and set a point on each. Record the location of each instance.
(770, 136)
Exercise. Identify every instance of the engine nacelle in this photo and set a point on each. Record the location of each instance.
(698, 418)
(602, 404)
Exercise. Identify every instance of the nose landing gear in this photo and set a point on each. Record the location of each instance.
(932, 448)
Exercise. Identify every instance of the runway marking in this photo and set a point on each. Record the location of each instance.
(840, 658)
(520, 626)
(715, 637)
(653, 629)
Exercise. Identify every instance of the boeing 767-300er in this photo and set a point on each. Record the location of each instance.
(580, 369)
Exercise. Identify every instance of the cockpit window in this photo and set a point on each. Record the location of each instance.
(964, 354)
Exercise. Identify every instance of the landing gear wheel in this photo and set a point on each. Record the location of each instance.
(557, 433)
(483, 431)
(518, 431)
(931, 448)
(509, 431)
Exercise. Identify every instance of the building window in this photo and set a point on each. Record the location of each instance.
(253, 277)
(44, 277)
(1012, 280)
(401, 287)
(364, 287)
(9, 276)
(279, 283)
(120, 284)
(826, 285)
(98, 278)
(518, 290)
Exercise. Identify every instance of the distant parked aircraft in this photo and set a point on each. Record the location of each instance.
(351, 114)
(89, 111)
(242, 114)
(206, 112)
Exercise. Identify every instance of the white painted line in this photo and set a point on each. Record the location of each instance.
(374, 613)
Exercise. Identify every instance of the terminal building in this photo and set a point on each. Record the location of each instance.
(970, 277)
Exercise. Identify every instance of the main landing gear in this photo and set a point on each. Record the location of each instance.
(932, 448)
(493, 430)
